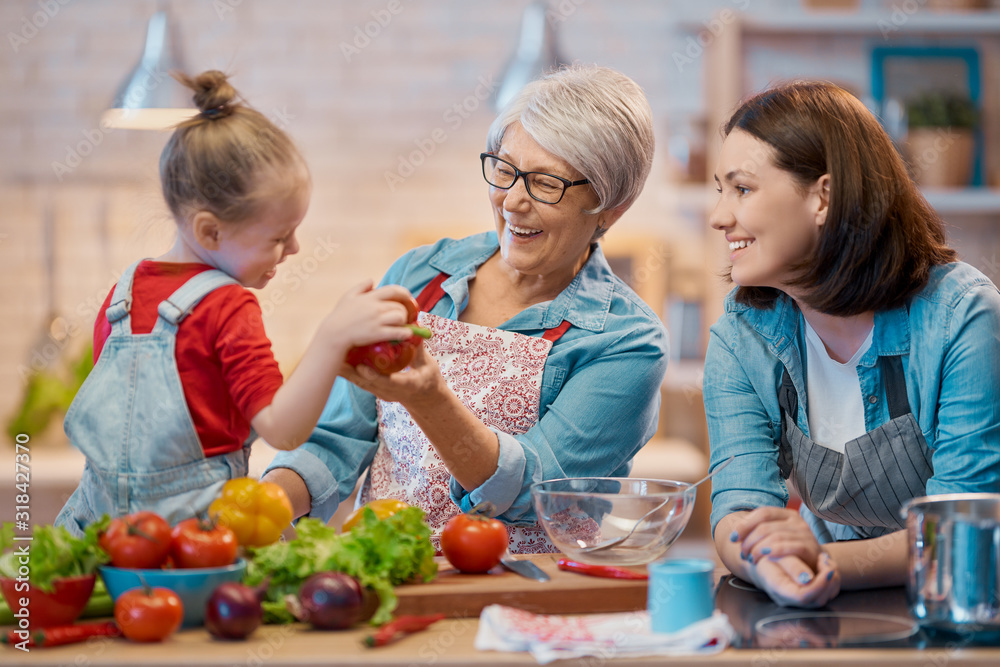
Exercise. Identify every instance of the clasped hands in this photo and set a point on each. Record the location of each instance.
(784, 559)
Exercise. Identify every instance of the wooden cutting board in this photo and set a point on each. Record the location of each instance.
(464, 595)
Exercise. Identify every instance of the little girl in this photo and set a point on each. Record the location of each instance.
(184, 378)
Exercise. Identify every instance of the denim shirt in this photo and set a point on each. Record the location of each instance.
(600, 393)
(948, 335)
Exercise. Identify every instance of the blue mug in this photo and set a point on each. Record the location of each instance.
(680, 593)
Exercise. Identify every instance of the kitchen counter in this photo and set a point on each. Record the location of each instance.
(449, 642)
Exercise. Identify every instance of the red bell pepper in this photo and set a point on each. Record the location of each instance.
(389, 356)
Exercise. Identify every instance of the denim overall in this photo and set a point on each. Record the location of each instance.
(131, 421)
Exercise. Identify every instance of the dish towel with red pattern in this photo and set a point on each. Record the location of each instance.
(554, 637)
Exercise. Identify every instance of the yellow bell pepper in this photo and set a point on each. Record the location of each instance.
(256, 511)
(383, 507)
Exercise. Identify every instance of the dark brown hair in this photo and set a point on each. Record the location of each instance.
(227, 158)
(881, 237)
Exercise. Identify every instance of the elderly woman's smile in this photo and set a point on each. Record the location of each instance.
(539, 238)
(523, 233)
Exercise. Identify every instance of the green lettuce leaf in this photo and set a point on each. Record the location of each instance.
(379, 553)
(52, 553)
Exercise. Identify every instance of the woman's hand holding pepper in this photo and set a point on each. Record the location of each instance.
(469, 449)
(420, 382)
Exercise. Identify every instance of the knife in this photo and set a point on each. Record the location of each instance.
(525, 568)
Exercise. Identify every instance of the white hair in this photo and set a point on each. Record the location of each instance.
(596, 119)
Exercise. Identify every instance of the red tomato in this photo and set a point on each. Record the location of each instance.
(200, 543)
(148, 615)
(139, 540)
(473, 543)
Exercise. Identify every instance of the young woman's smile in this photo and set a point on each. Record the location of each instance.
(771, 221)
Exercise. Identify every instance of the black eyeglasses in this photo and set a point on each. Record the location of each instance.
(546, 188)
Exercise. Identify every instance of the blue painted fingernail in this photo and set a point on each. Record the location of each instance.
(733, 536)
(766, 550)
(750, 558)
(743, 556)
(804, 577)
(829, 575)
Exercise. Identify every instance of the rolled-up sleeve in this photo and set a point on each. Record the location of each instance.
(503, 487)
(739, 425)
(966, 454)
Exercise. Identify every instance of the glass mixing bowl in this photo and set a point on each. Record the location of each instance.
(613, 520)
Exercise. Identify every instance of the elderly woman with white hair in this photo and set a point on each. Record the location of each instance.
(543, 364)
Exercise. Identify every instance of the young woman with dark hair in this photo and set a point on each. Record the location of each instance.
(857, 361)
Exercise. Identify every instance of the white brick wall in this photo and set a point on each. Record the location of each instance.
(354, 121)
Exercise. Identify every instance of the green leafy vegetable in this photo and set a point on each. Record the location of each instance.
(379, 553)
(53, 553)
(49, 393)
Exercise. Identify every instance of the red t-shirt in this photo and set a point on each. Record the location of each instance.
(224, 358)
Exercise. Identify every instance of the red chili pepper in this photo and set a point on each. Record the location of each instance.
(64, 634)
(403, 625)
(607, 571)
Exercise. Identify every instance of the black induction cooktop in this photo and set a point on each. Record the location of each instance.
(854, 619)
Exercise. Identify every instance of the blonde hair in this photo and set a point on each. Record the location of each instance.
(228, 158)
(596, 119)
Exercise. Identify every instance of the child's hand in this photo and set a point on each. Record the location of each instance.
(364, 315)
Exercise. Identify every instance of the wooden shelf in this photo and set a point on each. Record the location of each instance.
(965, 201)
(882, 23)
(952, 201)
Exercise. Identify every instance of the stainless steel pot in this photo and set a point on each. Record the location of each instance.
(953, 582)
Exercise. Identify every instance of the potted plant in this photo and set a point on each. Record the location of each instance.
(941, 139)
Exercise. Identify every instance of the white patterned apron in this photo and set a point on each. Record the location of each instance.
(498, 376)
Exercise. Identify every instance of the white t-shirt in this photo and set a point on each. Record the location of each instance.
(834, 402)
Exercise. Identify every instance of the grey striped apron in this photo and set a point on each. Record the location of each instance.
(856, 494)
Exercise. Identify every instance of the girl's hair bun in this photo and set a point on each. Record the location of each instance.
(213, 94)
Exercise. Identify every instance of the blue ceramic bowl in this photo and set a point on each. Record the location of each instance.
(193, 585)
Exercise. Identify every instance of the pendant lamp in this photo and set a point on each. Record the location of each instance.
(537, 53)
(149, 98)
